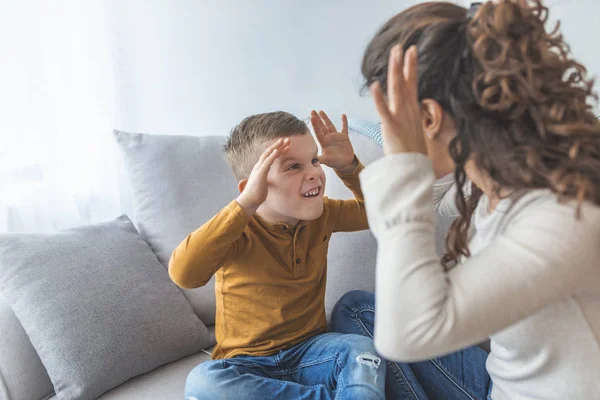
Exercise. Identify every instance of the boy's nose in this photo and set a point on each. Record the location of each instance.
(312, 175)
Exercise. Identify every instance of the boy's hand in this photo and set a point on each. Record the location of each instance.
(256, 189)
(337, 149)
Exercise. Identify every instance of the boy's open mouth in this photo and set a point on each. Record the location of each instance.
(314, 192)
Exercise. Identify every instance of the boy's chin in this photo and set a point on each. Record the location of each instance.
(310, 215)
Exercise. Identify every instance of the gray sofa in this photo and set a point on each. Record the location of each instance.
(177, 183)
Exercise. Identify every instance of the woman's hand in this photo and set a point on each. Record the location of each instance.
(400, 113)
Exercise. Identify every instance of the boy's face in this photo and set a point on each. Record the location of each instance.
(296, 184)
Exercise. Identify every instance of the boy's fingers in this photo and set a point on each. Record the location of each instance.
(276, 153)
(330, 126)
(269, 149)
(344, 124)
(266, 164)
(323, 159)
(380, 104)
(317, 124)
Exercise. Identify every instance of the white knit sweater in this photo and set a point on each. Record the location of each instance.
(531, 285)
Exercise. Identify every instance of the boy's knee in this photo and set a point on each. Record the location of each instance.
(347, 305)
(351, 346)
(202, 381)
(362, 344)
(354, 299)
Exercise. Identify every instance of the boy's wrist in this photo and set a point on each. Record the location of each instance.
(246, 205)
(350, 167)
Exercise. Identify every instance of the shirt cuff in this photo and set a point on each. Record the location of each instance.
(354, 173)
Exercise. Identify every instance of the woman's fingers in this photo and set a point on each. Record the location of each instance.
(395, 79)
(380, 103)
(401, 82)
(410, 71)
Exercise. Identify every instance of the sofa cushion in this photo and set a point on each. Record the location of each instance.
(178, 183)
(97, 305)
(164, 383)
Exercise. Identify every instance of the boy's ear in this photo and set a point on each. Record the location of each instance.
(432, 116)
(242, 184)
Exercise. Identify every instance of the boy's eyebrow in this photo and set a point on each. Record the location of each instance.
(294, 158)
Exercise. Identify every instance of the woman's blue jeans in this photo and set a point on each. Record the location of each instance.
(326, 366)
(461, 375)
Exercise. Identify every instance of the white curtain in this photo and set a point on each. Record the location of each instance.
(58, 163)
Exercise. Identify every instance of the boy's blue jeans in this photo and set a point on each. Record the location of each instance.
(326, 366)
(461, 375)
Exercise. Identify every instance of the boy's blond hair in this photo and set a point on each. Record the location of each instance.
(249, 139)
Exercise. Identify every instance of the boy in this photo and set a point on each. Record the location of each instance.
(268, 249)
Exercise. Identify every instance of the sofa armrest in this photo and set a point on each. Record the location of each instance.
(22, 374)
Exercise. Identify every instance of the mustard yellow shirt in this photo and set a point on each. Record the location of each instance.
(270, 278)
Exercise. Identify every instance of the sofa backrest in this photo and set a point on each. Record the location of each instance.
(172, 195)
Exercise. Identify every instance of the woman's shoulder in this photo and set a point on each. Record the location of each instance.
(565, 227)
(561, 233)
(543, 203)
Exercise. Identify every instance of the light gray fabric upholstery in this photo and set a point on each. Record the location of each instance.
(22, 374)
(97, 305)
(164, 383)
(178, 183)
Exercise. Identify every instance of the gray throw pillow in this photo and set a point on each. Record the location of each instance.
(97, 305)
(178, 183)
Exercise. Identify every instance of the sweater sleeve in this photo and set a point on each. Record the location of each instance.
(205, 250)
(544, 255)
(444, 195)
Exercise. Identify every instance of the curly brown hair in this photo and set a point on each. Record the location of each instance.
(521, 103)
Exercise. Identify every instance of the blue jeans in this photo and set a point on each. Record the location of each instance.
(460, 375)
(326, 366)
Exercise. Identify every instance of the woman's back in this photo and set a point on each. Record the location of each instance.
(555, 351)
(531, 284)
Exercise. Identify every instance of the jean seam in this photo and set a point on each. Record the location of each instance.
(453, 380)
(397, 368)
(339, 382)
(305, 364)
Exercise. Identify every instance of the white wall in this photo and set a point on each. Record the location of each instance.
(580, 25)
(198, 67)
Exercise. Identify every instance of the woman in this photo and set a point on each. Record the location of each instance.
(493, 98)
